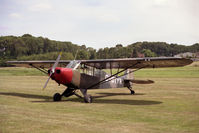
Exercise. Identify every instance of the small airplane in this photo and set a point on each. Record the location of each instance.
(89, 74)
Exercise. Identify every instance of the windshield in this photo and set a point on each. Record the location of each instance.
(73, 64)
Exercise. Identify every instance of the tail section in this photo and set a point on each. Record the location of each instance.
(129, 79)
(141, 81)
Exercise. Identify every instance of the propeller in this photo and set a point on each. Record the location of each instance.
(53, 69)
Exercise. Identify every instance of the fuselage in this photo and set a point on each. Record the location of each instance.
(75, 79)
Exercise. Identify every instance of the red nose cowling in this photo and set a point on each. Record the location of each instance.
(62, 75)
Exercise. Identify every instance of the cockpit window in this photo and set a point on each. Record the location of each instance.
(73, 64)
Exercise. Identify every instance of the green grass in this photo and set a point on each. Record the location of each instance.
(178, 72)
(19, 71)
(169, 105)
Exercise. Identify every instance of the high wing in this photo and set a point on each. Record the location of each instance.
(124, 63)
(137, 62)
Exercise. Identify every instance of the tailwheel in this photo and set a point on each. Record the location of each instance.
(88, 99)
(57, 97)
(132, 92)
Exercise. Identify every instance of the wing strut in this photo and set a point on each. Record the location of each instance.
(104, 80)
(40, 69)
(125, 74)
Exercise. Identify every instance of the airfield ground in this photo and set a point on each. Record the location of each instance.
(171, 104)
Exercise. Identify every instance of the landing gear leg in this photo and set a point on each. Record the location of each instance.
(87, 98)
(132, 91)
(68, 92)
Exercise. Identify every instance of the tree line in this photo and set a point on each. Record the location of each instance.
(28, 47)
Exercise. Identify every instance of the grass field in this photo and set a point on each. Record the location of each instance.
(171, 104)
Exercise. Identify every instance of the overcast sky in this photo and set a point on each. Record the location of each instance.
(103, 23)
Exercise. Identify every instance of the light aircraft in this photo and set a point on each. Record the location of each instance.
(93, 76)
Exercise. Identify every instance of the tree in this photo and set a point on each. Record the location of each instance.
(92, 53)
(148, 53)
(29, 47)
(134, 53)
(82, 55)
(119, 46)
(27, 35)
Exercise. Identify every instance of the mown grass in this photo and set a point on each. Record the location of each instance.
(169, 105)
(19, 71)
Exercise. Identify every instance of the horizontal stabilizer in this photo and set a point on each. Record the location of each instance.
(140, 81)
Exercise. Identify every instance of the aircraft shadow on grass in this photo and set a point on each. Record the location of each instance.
(23, 95)
(96, 98)
(114, 94)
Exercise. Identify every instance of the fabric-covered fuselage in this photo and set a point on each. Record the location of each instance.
(75, 79)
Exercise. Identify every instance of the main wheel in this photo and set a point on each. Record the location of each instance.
(88, 99)
(57, 97)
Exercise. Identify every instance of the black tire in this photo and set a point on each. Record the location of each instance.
(57, 97)
(88, 99)
(132, 92)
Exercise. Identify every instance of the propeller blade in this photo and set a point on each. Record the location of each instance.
(46, 82)
(56, 62)
(53, 69)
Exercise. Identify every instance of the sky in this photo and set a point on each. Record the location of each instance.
(103, 23)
